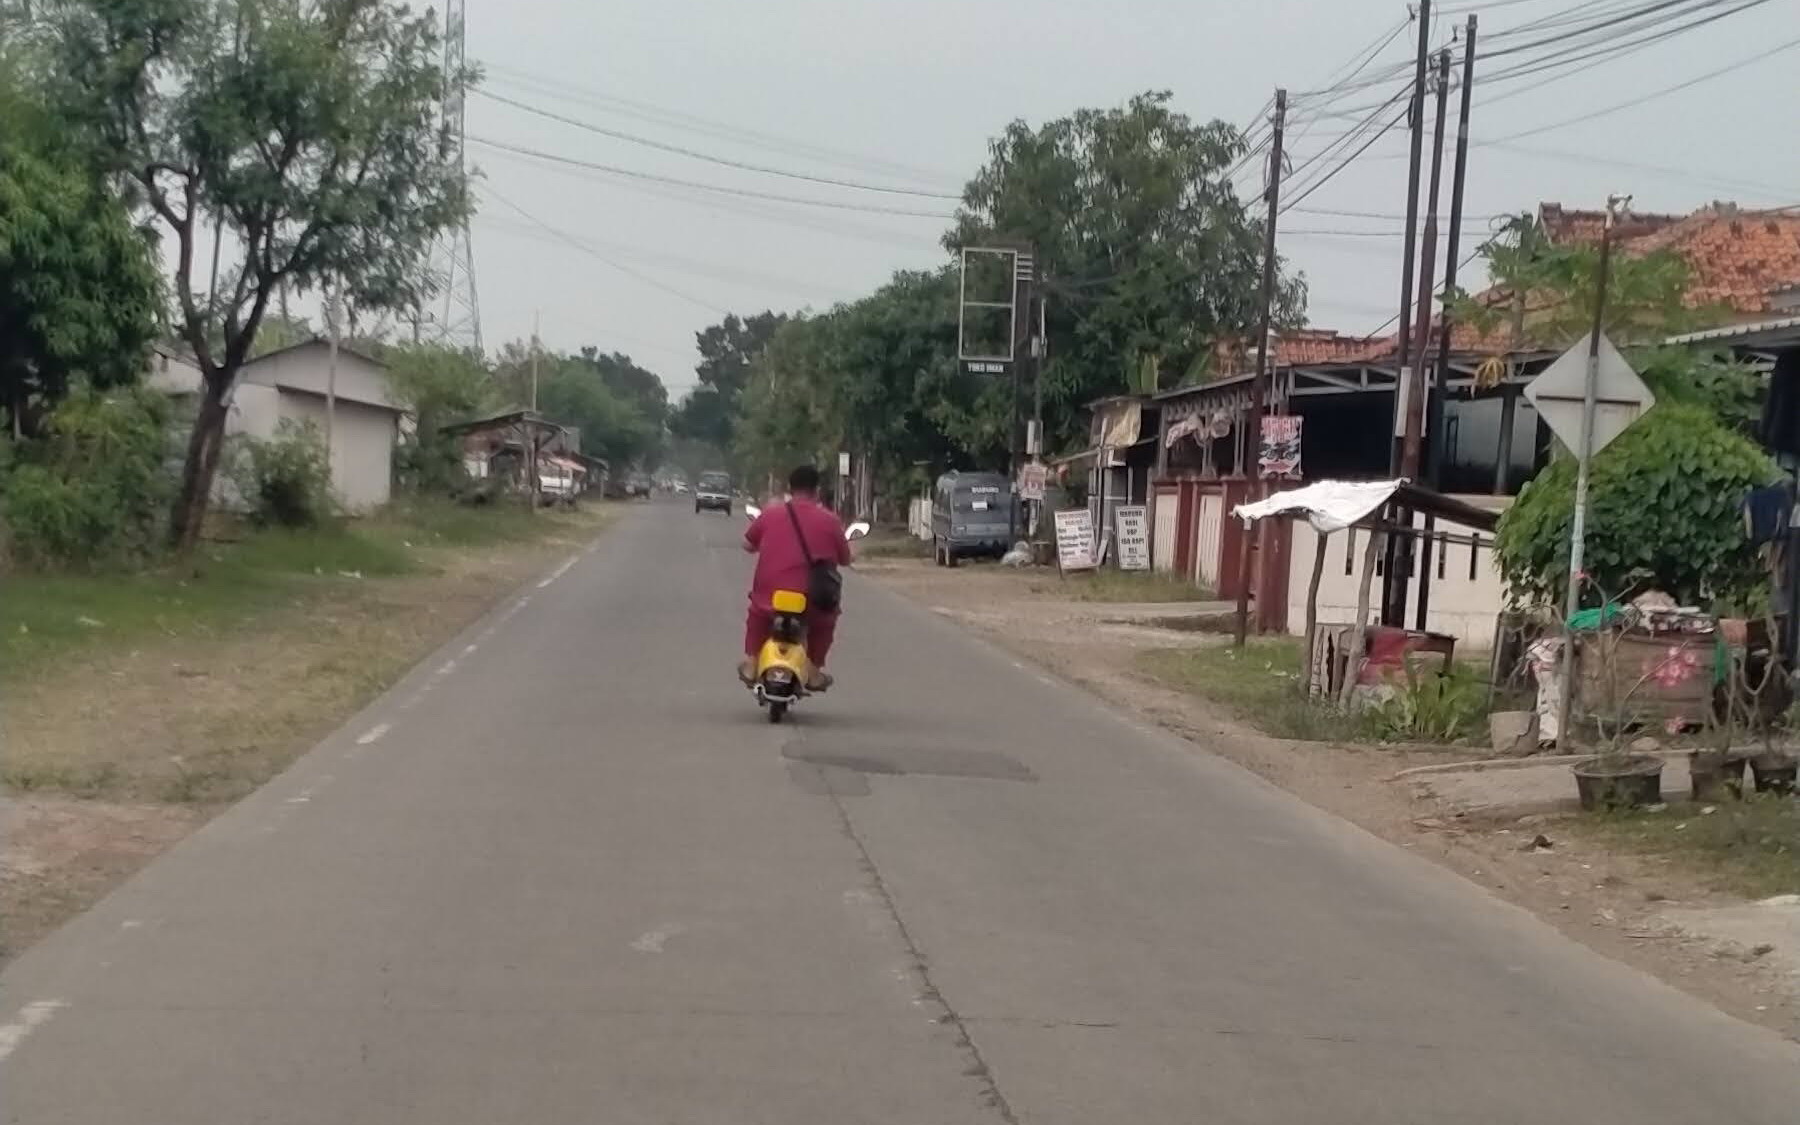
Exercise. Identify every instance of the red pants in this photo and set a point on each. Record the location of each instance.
(821, 628)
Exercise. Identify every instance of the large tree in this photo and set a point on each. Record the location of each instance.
(79, 291)
(1149, 256)
(709, 412)
(311, 132)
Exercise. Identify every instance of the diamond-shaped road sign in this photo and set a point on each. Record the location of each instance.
(1620, 396)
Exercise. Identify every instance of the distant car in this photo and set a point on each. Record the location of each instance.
(637, 484)
(713, 493)
(681, 488)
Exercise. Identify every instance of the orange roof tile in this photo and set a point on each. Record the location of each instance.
(1737, 258)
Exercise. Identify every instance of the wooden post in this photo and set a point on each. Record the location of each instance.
(1321, 540)
(1359, 632)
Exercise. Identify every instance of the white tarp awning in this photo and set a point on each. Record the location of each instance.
(1329, 505)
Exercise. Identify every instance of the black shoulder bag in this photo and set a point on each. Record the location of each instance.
(826, 585)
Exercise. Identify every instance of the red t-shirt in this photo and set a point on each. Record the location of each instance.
(780, 563)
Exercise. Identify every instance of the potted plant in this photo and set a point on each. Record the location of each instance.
(1617, 777)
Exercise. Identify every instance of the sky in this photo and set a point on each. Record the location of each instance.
(907, 93)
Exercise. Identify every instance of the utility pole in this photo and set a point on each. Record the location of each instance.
(1397, 547)
(331, 364)
(1414, 389)
(1417, 386)
(1024, 293)
(1258, 386)
(1402, 341)
(533, 484)
(1565, 669)
(1435, 433)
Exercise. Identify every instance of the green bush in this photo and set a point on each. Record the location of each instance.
(1663, 509)
(1430, 707)
(95, 489)
(286, 480)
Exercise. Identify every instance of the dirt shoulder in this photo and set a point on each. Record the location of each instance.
(117, 747)
(1625, 905)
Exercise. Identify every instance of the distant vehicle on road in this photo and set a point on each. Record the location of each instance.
(636, 485)
(712, 492)
(971, 515)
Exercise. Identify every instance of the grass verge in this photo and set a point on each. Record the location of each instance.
(1258, 684)
(188, 687)
(47, 618)
(1749, 847)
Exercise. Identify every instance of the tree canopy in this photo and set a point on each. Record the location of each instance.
(312, 133)
(80, 294)
(727, 350)
(1149, 255)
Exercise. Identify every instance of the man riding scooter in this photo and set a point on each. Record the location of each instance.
(788, 540)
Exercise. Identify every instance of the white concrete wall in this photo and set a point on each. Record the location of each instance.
(1208, 529)
(362, 447)
(1163, 521)
(1460, 606)
(278, 388)
(308, 368)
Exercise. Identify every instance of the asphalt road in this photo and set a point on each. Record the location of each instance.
(565, 873)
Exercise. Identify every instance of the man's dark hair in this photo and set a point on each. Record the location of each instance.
(804, 479)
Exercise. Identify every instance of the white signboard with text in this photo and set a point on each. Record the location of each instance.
(1075, 540)
(1131, 524)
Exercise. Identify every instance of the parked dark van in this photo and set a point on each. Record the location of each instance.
(972, 514)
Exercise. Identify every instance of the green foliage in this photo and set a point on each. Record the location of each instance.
(287, 480)
(1664, 509)
(313, 132)
(1646, 294)
(79, 288)
(575, 392)
(1150, 250)
(1731, 390)
(443, 386)
(1432, 707)
(91, 491)
(879, 375)
(709, 412)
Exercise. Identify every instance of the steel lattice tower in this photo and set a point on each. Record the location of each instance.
(457, 319)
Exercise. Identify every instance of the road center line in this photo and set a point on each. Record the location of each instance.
(373, 734)
(31, 1017)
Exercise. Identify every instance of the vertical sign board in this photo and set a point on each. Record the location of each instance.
(1279, 453)
(1131, 523)
(1032, 479)
(1075, 540)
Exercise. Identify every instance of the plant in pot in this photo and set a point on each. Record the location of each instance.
(1617, 777)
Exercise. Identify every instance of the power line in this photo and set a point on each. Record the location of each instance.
(710, 271)
(1346, 162)
(591, 252)
(704, 126)
(1642, 98)
(630, 173)
(711, 158)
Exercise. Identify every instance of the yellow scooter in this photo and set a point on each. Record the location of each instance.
(782, 666)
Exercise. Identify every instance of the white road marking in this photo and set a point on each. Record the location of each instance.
(557, 573)
(447, 667)
(652, 942)
(469, 650)
(31, 1017)
(373, 734)
(130, 924)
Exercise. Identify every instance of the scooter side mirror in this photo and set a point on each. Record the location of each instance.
(856, 530)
